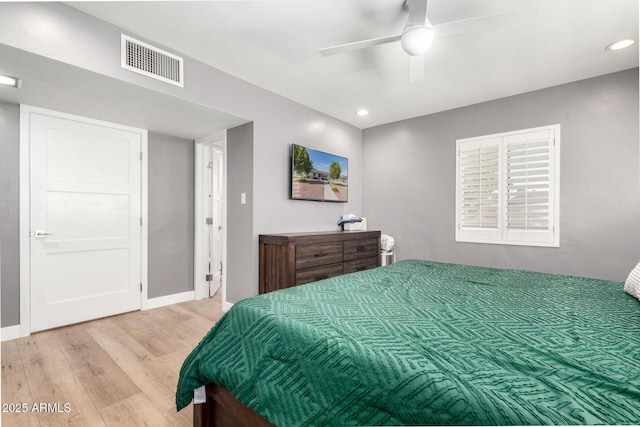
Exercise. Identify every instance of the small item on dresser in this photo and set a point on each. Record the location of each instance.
(351, 222)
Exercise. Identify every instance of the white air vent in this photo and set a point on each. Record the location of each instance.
(145, 59)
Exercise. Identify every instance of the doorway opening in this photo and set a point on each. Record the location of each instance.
(210, 218)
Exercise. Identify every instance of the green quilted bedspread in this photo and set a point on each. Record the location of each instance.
(421, 342)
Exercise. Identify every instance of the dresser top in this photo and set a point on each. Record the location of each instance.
(317, 236)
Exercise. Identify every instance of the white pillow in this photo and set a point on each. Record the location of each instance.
(632, 285)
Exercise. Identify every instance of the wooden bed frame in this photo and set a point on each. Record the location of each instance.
(223, 410)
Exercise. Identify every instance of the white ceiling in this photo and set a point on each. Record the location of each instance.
(274, 44)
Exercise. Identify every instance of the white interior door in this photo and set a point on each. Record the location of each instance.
(85, 224)
(211, 242)
(215, 229)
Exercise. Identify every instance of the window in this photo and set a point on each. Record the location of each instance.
(507, 188)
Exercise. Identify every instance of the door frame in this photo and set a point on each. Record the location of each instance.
(25, 205)
(219, 140)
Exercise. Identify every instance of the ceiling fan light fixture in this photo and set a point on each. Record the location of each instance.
(416, 39)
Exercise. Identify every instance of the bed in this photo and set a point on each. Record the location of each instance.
(420, 343)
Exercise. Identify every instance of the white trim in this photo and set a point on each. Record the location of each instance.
(25, 221)
(168, 300)
(10, 333)
(25, 205)
(225, 200)
(144, 229)
(198, 227)
(223, 220)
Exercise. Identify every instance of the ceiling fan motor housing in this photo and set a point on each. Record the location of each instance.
(417, 39)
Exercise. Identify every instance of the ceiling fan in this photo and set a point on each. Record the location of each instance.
(418, 34)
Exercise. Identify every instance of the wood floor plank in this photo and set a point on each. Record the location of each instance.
(183, 418)
(52, 382)
(145, 333)
(179, 313)
(132, 412)
(104, 381)
(149, 329)
(15, 389)
(144, 369)
(200, 326)
(175, 359)
(204, 308)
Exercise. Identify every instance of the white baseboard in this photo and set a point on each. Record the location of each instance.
(10, 333)
(168, 300)
(13, 332)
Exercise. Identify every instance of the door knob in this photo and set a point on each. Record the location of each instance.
(39, 234)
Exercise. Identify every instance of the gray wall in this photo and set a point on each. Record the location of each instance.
(409, 178)
(9, 213)
(171, 215)
(239, 180)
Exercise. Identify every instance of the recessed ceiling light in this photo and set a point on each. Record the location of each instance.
(9, 81)
(620, 44)
(362, 112)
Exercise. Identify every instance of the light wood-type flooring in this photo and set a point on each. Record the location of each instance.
(117, 371)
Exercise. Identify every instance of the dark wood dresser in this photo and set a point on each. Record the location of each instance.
(295, 258)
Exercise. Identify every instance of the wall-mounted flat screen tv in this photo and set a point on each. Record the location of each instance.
(316, 175)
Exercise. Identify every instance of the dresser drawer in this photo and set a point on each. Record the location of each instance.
(360, 264)
(313, 274)
(364, 248)
(313, 255)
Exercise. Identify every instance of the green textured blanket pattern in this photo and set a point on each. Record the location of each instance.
(421, 342)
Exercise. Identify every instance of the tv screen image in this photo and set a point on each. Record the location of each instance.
(316, 175)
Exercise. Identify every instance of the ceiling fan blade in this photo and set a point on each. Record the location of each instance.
(486, 22)
(416, 68)
(349, 47)
(417, 12)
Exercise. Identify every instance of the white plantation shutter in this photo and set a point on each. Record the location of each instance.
(479, 187)
(529, 182)
(507, 188)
